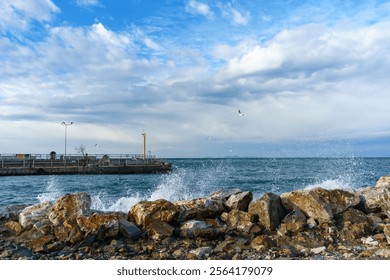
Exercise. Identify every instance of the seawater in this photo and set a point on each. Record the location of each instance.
(193, 178)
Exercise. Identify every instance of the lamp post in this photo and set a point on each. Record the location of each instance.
(144, 151)
(66, 126)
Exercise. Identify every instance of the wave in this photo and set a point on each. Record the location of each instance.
(330, 185)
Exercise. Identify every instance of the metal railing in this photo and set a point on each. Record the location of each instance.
(34, 160)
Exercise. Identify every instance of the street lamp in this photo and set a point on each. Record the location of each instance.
(144, 150)
(66, 126)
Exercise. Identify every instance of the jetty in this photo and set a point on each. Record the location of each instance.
(59, 164)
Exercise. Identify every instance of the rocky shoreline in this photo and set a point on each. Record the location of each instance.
(227, 225)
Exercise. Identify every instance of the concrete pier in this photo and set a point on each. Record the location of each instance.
(17, 165)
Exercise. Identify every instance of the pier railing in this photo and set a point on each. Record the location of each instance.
(34, 160)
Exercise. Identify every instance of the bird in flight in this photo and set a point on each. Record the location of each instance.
(241, 114)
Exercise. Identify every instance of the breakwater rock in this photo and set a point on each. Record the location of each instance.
(229, 224)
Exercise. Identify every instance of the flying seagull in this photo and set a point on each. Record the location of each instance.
(241, 114)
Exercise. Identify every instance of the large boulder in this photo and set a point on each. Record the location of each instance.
(108, 224)
(146, 212)
(294, 222)
(159, 230)
(268, 209)
(377, 198)
(34, 214)
(319, 203)
(70, 206)
(239, 201)
(199, 228)
(200, 208)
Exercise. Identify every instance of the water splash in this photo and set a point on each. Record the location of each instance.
(52, 191)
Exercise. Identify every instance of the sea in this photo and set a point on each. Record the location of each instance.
(198, 177)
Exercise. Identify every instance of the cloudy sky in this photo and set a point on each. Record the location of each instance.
(312, 78)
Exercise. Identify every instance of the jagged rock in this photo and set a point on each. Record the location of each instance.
(159, 230)
(268, 209)
(39, 245)
(200, 208)
(239, 201)
(319, 203)
(237, 219)
(377, 198)
(71, 234)
(67, 208)
(92, 224)
(146, 212)
(44, 226)
(129, 230)
(34, 213)
(197, 228)
(318, 250)
(294, 222)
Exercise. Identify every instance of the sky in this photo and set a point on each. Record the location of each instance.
(311, 78)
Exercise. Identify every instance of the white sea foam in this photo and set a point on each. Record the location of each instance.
(330, 185)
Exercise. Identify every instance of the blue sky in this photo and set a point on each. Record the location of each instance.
(311, 77)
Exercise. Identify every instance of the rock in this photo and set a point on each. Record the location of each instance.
(67, 208)
(34, 213)
(318, 250)
(129, 230)
(146, 212)
(38, 245)
(377, 198)
(11, 212)
(15, 227)
(200, 208)
(159, 230)
(44, 226)
(319, 203)
(225, 193)
(383, 253)
(386, 231)
(198, 228)
(262, 243)
(237, 219)
(269, 209)
(92, 223)
(202, 253)
(370, 241)
(294, 222)
(239, 201)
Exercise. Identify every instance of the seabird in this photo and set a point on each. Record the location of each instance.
(241, 114)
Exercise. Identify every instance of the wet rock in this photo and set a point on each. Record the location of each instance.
(377, 198)
(67, 208)
(11, 212)
(319, 203)
(159, 230)
(33, 214)
(268, 209)
(129, 230)
(146, 212)
(92, 223)
(239, 201)
(200, 208)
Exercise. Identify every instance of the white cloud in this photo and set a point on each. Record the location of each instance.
(17, 15)
(200, 8)
(234, 15)
(88, 3)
